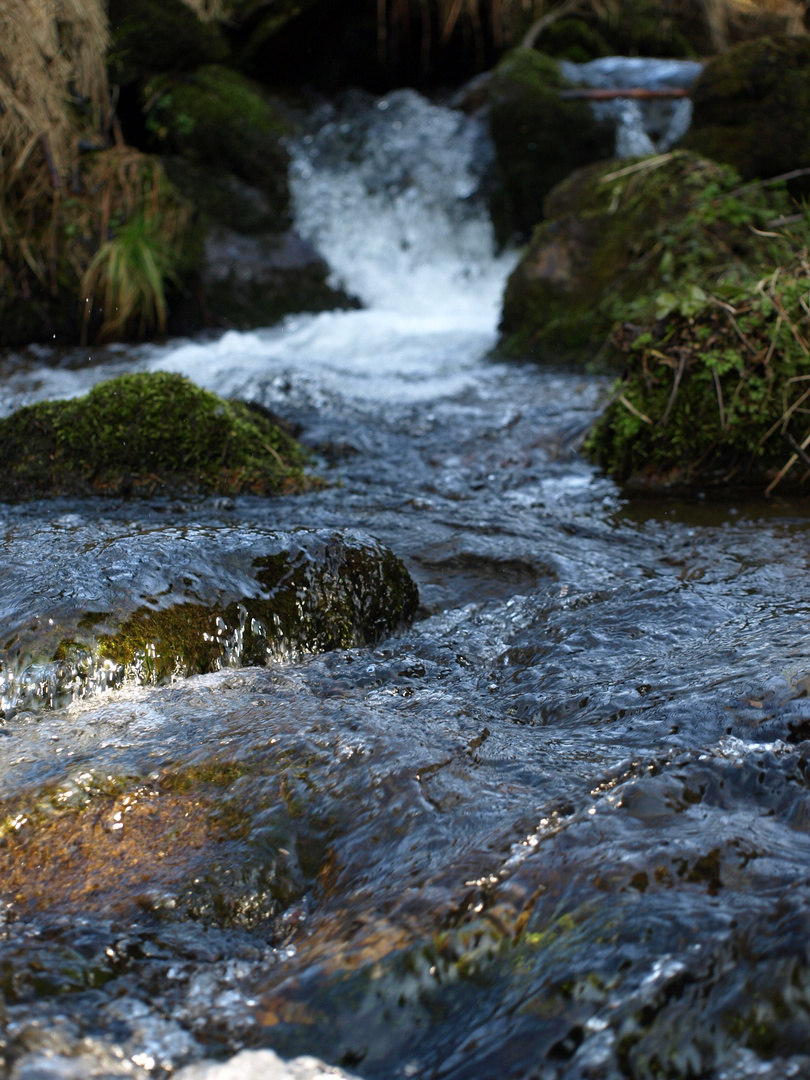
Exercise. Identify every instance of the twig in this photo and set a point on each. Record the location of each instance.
(719, 390)
(56, 179)
(539, 25)
(642, 93)
(648, 163)
(793, 175)
(798, 448)
(636, 412)
(675, 385)
(787, 466)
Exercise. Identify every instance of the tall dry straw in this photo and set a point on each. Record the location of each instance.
(507, 20)
(53, 81)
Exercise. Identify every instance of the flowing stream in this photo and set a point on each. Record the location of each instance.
(559, 828)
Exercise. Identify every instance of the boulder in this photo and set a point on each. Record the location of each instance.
(752, 107)
(216, 118)
(594, 247)
(164, 606)
(714, 344)
(539, 138)
(257, 280)
(142, 434)
(152, 36)
(619, 235)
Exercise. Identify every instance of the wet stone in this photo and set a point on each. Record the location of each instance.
(186, 602)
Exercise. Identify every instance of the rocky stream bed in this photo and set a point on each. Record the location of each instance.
(557, 827)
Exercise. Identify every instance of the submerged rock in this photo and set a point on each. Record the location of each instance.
(752, 107)
(142, 434)
(177, 606)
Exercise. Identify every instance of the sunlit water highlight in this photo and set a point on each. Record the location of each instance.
(557, 829)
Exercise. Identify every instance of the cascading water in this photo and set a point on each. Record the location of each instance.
(556, 829)
(642, 126)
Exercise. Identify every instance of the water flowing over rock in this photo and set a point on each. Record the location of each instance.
(556, 827)
(197, 602)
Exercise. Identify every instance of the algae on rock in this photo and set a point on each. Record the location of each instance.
(141, 434)
(197, 603)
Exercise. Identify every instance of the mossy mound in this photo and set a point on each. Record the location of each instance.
(539, 138)
(143, 434)
(216, 117)
(151, 36)
(752, 107)
(716, 392)
(619, 237)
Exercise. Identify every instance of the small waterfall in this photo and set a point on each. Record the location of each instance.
(391, 192)
(642, 126)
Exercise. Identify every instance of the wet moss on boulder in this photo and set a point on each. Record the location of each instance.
(196, 604)
(216, 117)
(752, 107)
(320, 592)
(152, 36)
(539, 138)
(620, 235)
(143, 434)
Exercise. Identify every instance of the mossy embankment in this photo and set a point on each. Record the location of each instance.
(698, 286)
(143, 434)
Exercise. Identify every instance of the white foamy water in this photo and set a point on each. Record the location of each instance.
(391, 197)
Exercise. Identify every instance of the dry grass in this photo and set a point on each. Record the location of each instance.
(53, 81)
(208, 10)
(508, 19)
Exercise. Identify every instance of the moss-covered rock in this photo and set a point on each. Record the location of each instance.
(317, 592)
(713, 393)
(714, 341)
(539, 137)
(216, 117)
(752, 107)
(621, 235)
(152, 36)
(141, 434)
(184, 607)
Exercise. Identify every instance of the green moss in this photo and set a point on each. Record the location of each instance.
(145, 433)
(575, 40)
(217, 117)
(533, 132)
(621, 234)
(715, 347)
(752, 107)
(152, 36)
(337, 593)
